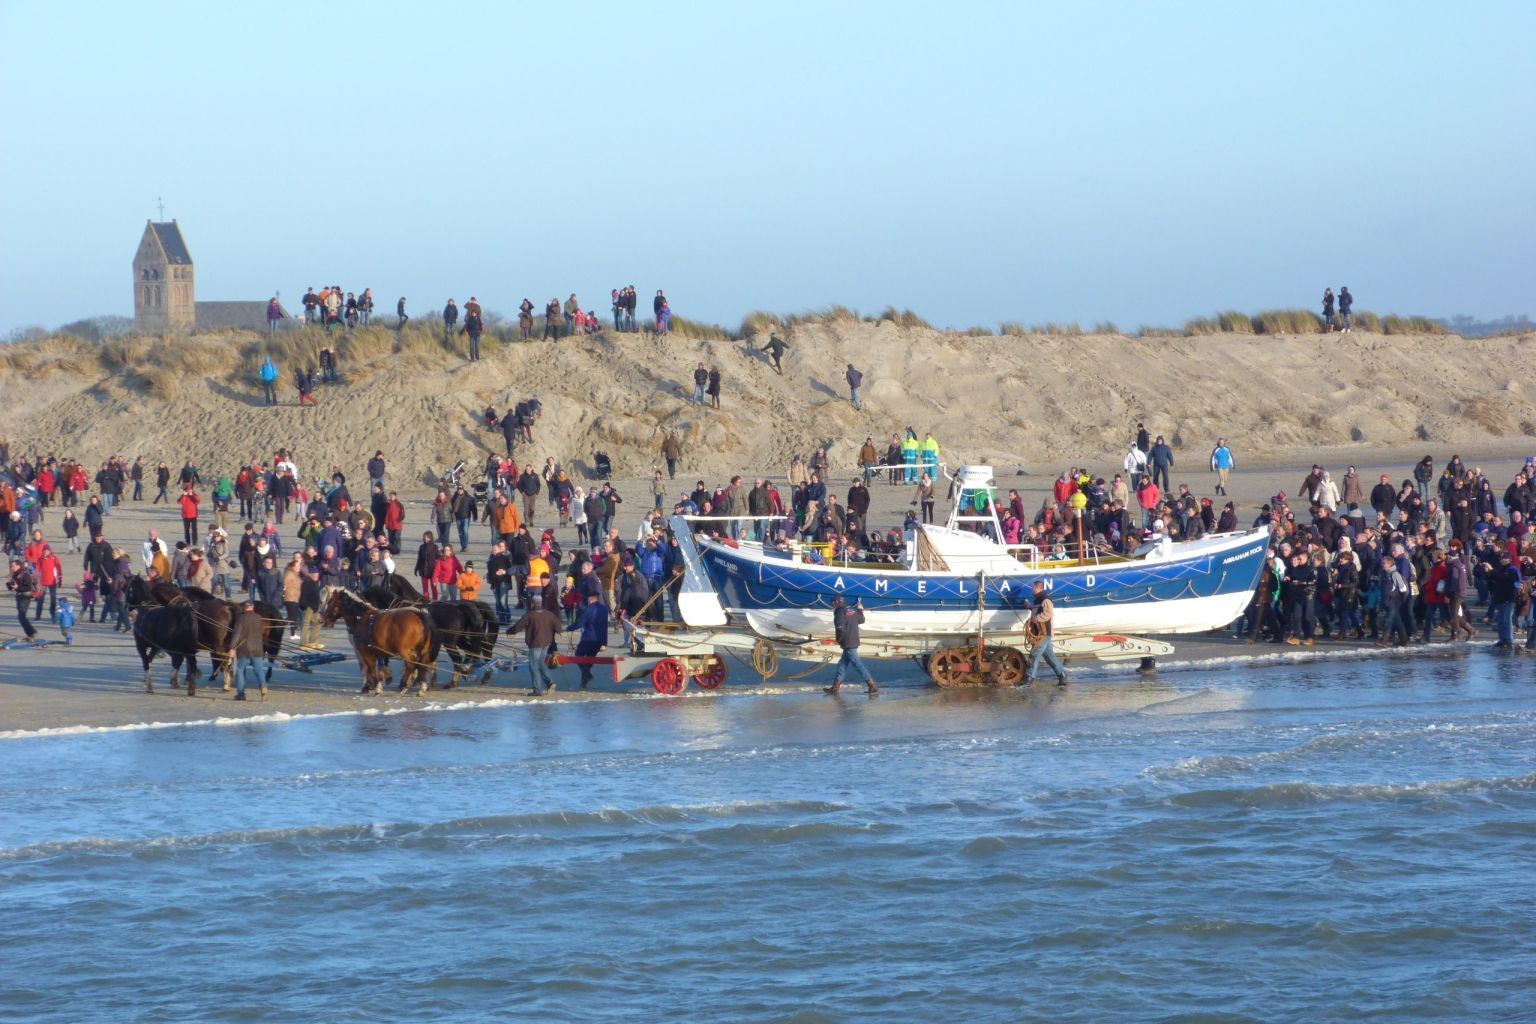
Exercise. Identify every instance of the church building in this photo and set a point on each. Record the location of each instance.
(164, 290)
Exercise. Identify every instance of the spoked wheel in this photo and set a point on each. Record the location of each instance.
(954, 666)
(713, 674)
(1008, 666)
(669, 677)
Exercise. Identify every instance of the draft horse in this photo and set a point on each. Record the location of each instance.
(469, 629)
(377, 634)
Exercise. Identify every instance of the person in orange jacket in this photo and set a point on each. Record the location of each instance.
(505, 517)
(469, 583)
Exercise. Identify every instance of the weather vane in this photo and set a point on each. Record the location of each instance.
(161, 201)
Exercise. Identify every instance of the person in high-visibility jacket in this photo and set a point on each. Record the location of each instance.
(909, 449)
(930, 449)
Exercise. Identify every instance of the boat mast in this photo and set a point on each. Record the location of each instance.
(971, 482)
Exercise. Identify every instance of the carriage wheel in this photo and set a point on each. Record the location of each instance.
(1008, 666)
(953, 666)
(669, 677)
(713, 674)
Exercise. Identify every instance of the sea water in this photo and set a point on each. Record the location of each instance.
(1332, 841)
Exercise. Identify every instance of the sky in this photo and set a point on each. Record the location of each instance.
(1126, 162)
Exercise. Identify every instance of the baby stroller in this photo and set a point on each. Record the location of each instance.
(602, 466)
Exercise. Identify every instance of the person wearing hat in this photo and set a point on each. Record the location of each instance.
(245, 647)
(540, 627)
(469, 583)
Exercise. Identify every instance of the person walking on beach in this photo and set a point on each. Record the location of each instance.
(1161, 457)
(775, 349)
(593, 625)
(450, 318)
(713, 387)
(1135, 464)
(672, 451)
(845, 626)
(1346, 301)
(1042, 622)
(1221, 464)
(1328, 309)
(539, 627)
(400, 312)
(274, 314)
(245, 647)
(268, 381)
(854, 379)
(24, 586)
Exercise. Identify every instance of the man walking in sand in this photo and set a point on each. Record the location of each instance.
(700, 379)
(672, 451)
(854, 379)
(1221, 464)
(1135, 464)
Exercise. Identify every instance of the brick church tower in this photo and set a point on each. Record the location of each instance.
(163, 295)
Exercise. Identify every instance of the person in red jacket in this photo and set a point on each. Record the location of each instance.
(1147, 496)
(46, 482)
(50, 573)
(394, 522)
(446, 573)
(188, 502)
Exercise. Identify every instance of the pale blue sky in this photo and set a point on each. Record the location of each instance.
(1133, 162)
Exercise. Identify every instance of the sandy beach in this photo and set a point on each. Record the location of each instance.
(98, 683)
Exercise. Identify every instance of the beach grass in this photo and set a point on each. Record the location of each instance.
(1287, 321)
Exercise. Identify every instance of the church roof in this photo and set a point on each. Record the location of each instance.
(250, 316)
(169, 235)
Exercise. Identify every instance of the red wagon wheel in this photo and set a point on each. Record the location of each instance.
(668, 676)
(713, 674)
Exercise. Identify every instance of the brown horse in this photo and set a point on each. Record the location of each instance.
(404, 633)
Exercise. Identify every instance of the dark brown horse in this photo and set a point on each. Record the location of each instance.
(404, 633)
(214, 619)
(468, 628)
(171, 631)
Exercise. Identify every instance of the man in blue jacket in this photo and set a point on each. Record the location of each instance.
(269, 380)
(593, 624)
(1221, 464)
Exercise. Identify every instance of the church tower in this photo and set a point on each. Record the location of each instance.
(163, 294)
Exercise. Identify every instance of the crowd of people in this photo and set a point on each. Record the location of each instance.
(1443, 552)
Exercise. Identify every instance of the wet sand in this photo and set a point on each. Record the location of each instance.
(98, 683)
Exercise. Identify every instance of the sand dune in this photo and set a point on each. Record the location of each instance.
(1010, 400)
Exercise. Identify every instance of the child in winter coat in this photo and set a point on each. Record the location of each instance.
(86, 588)
(66, 619)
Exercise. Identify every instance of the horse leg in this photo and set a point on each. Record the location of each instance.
(223, 665)
(147, 657)
(192, 674)
(175, 671)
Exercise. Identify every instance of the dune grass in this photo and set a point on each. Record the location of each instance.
(1287, 321)
(1395, 324)
(1150, 331)
(701, 330)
